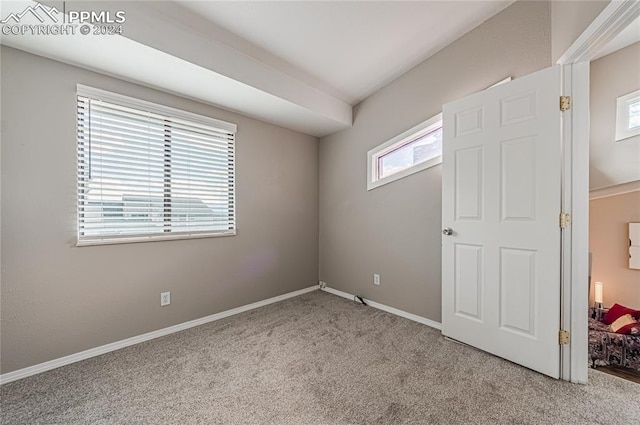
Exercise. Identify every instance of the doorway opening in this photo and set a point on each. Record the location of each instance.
(577, 63)
(614, 205)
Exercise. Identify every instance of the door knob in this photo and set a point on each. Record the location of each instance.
(447, 231)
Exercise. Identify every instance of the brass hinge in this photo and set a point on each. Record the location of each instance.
(565, 103)
(563, 337)
(565, 220)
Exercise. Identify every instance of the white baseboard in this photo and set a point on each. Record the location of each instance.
(92, 352)
(388, 309)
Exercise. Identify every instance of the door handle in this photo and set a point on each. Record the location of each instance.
(447, 231)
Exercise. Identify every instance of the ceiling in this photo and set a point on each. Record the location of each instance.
(298, 64)
(352, 48)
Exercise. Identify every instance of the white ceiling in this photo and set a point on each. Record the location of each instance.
(352, 47)
(298, 64)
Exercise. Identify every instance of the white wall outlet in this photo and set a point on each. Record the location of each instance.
(376, 279)
(165, 298)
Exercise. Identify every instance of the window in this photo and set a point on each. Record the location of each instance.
(414, 150)
(628, 116)
(149, 172)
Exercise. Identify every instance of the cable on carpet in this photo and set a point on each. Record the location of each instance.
(357, 298)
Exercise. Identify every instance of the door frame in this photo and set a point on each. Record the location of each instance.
(574, 293)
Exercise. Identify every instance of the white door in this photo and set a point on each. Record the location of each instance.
(501, 204)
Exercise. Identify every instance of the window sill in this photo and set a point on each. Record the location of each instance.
(404, 173)
(154, 238)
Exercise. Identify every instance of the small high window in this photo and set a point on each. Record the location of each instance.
(628, 116)
(414, 150)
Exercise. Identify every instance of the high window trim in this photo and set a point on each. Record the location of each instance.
(375, 177)
(627, 116)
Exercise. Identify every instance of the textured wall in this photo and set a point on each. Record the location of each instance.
(569, 18)
(611, 162)
(58, 299)
(394, 230)
(609, 243)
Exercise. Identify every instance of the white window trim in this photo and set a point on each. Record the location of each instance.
(131, 102)
(118, 240)
(622, 116)
(427, 126)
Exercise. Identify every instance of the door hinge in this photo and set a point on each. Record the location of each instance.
(563, 337)
(565, 103)
(565, 220)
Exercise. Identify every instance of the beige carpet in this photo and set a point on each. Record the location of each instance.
(314, 359)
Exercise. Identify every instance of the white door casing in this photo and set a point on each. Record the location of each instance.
(575, 61)
(501, 198)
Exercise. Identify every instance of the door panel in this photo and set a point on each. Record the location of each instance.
(517, 290)
(518, 179)
(468, 281)
(501, 197)
(468, 186)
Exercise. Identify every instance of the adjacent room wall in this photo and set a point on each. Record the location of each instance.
(58, 299)
(569, 19)
(394, 230)
(610, 162)
(609, 243)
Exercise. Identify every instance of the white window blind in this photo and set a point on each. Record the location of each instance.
(148, 172)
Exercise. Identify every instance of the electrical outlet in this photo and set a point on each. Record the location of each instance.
(165, 298)
(376, 279)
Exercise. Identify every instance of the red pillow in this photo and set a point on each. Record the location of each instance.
(629, 329)
(618, 311)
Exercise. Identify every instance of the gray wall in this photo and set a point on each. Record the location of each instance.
(611, 162)
(569, 19)
(58, 299)
(394, 230)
